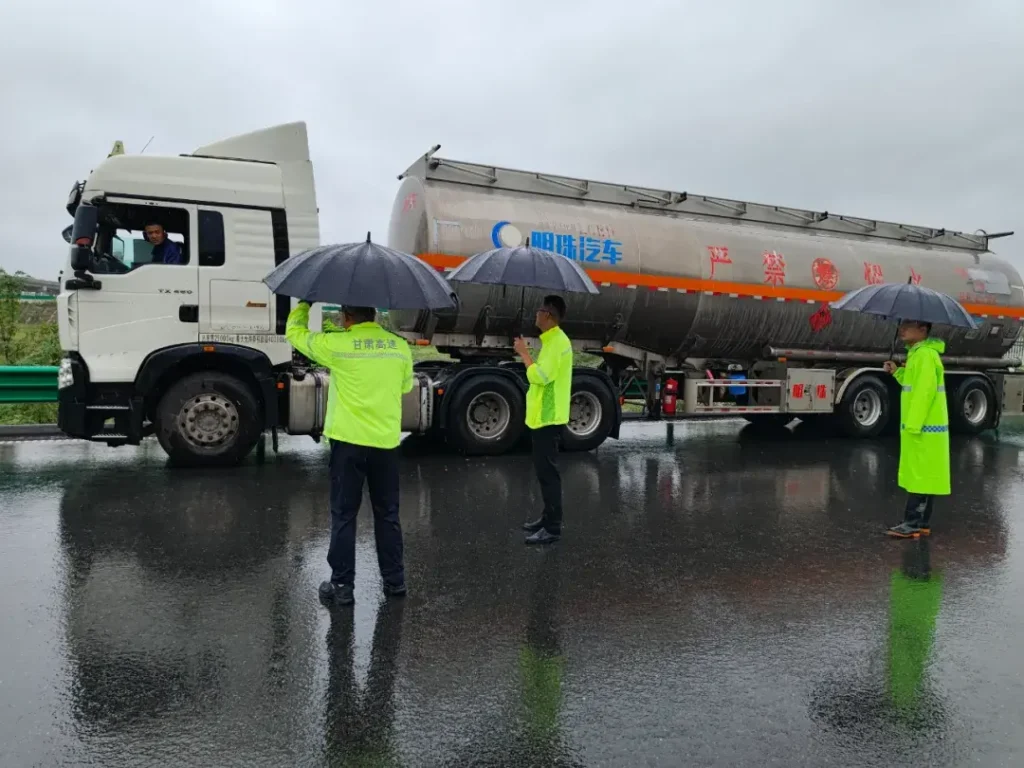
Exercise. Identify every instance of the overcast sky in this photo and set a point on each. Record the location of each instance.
(913, 115)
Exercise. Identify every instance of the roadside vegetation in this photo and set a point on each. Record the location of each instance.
(27, 337)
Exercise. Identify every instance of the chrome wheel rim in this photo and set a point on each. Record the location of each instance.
(488, 416)
(867, 408)
(975, 407)
(209, 420)
(584, 414)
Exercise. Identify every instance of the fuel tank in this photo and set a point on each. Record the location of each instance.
(687, 275)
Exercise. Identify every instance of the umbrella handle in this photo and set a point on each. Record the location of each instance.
(521, 317)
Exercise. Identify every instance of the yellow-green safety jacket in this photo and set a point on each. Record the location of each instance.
(924, 421)
(550, 377)
(370, 371)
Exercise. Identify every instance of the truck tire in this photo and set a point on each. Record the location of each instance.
(591, 415)
(208, 419)
(972, 405)
(866, 407)
(487, 416)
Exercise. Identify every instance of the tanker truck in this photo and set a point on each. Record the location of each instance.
(708, 307)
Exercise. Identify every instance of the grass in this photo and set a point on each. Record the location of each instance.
(34, 344)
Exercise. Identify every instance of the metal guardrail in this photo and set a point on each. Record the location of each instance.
(28, 384)
(37, 297)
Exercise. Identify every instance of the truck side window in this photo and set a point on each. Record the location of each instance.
(211, 239)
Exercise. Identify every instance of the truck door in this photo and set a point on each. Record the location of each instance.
(236, 251)
(142, 304)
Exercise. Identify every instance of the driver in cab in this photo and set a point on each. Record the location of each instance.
(164, 251)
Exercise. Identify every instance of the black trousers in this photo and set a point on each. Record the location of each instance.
(919, 510)
(351, 467)
(545, 453)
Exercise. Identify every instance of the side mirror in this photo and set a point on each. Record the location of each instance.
(81, 258)
(66, 234)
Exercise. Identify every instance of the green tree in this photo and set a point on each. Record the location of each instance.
(10, 310)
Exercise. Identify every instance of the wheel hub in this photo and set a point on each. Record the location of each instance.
(208, 420)
(488, 415)
(975, 407)
(867, 408)
(584, 414)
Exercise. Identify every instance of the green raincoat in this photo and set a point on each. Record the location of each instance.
(924, 421)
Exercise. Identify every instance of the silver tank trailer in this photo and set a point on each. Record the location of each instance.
(692, 276)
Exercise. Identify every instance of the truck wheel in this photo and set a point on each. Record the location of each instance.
(972, 406)
(487, 416)
(208, 419)
(591, 415)
(865, 408)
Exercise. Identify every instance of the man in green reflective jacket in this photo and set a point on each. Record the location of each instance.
(547, 413)
(924, 428)
(370, 371)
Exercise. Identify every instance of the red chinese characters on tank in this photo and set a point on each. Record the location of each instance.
(774, 268)
(409, 203)
(719, 255)
(873, 273)
(825, 274)
(915, 277)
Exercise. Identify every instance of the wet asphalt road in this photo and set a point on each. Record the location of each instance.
(726, 601)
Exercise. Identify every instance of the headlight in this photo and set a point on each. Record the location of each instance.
(65, 376)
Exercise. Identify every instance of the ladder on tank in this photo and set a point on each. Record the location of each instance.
(433, 168)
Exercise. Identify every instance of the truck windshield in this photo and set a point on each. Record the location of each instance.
(129, 236)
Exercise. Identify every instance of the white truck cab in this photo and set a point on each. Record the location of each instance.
(184, 349)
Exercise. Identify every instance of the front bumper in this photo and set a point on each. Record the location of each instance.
(103, 412)
(72, 414)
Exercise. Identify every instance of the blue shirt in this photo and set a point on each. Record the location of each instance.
(168, 252)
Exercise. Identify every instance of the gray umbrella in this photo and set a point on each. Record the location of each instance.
(525, 267)
(362, 275)
(904, 301)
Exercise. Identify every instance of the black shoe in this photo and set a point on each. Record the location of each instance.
(534, 525)
(543, 536)
(395, 590)
(339, 594)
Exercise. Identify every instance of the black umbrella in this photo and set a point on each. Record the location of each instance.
(362, 275)
(905, 301)
(525, 267)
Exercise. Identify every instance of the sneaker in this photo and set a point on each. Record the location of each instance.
(904, 531)
(543, 536)
(925, 531)
(534, 525)
(338, 594)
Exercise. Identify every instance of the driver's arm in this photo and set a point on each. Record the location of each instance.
(172, 252)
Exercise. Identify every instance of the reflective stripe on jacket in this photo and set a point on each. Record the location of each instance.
(924, 421)
(550, 377)
(370, 371)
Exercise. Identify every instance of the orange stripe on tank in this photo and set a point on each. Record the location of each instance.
(446, 261)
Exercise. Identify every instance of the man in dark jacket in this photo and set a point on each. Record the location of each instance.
(164, 251)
